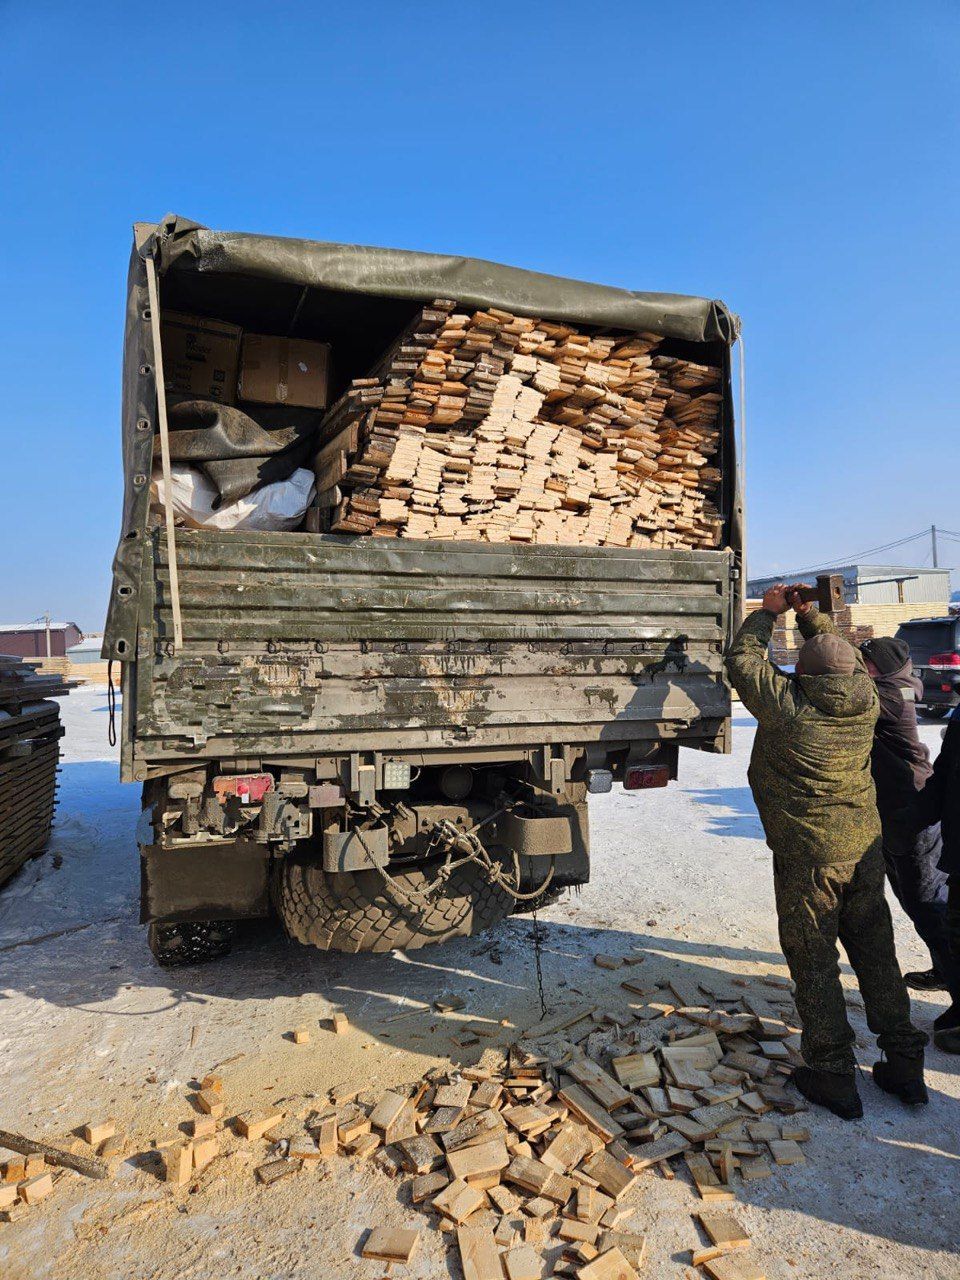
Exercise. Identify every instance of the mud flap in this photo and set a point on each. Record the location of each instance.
(571, 867)
(226, 880)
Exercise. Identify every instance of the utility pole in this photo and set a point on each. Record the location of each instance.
(46, 618)
(933, 544)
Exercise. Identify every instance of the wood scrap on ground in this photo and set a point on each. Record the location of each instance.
(541, 1148)
(391, 1244)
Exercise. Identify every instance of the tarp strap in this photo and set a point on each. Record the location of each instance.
(154, 297)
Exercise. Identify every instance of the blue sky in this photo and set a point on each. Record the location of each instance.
(799, 162)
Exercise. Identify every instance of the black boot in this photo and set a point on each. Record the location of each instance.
(903, 1077)
(946, 1029)
(831, 1089)
(925, 980)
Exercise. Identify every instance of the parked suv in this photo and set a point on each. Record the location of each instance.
(935, 650)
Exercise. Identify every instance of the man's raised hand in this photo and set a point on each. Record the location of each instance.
(775, 599)
(794, 600)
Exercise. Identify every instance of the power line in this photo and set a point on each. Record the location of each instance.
(856, 557)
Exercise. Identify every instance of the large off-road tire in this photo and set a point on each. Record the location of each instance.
(360, 911)
(174, 945)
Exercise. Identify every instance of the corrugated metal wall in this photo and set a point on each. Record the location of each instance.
(919, 585)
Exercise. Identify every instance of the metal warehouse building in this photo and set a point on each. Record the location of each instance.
(879, 584)
(39, 639)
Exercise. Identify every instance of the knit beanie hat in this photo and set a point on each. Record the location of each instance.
(826, 655)
(886, 654)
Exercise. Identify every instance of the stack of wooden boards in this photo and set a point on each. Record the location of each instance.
(494, 427)
(30, 733)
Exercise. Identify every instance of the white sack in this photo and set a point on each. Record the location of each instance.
(278, 506)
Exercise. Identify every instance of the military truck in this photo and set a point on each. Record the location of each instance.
(389, 743)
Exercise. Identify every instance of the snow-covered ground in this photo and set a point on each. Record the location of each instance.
(90, 1027)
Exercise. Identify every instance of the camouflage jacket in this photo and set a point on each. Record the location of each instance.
(810, 767)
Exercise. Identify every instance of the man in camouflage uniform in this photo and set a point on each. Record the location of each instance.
(810, 776)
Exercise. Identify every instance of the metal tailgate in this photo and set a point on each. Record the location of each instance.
(307, 644)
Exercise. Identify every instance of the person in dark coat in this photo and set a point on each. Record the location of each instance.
(900, 764)
(939, 801)
(810, 777)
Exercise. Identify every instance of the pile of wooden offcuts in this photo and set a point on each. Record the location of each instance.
(30, 733)
(494, 427)
(536, 1156)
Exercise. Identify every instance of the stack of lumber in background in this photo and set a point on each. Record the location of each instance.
(30, 734)
(493, 427)
(75, 672)
(786, 639)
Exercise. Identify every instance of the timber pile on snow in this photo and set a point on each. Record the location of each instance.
(494, 427)
(30, 734)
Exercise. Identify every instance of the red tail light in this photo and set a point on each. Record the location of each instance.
(640, 776)
(249, 788)
(945, 660)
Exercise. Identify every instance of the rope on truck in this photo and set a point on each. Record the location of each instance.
(446, 834)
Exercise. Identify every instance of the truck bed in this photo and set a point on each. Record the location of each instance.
(297, 645)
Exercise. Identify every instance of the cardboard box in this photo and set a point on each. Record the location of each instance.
(200, 356)
(284, 371)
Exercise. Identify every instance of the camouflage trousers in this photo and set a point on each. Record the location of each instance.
(817, 906)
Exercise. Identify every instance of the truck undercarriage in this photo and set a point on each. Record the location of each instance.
(433, 851)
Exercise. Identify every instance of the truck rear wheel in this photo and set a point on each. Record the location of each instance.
(361, 911)
(189, 943)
